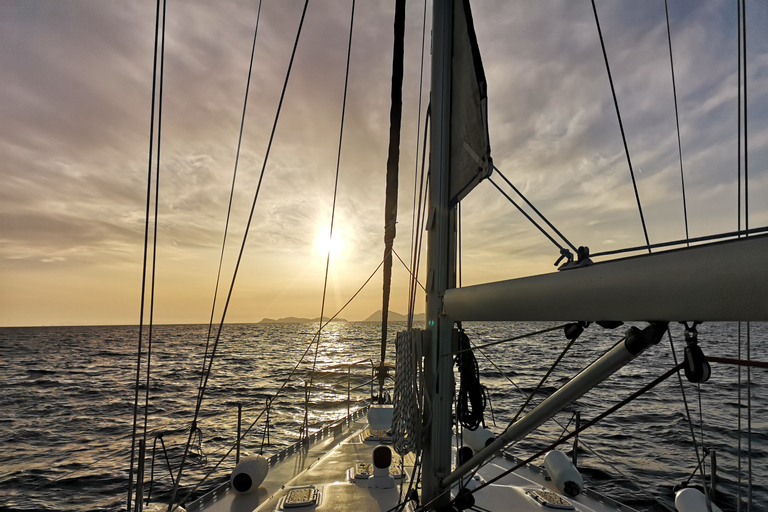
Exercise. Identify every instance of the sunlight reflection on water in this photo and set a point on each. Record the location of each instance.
(68, 395)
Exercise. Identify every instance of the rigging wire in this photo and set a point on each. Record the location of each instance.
(527, 335)
(706, 238)
(146, 249)
(284, 384)
(738, 422)
(420, 221)
(749, 420)
(458, 243)
(308, 390)
(563, 250)
(746, 124)
(565, 327)
(677, 120)
(581, 441)
(738, 119)
(407, 269)
(543, 379)
(742, 106)
(701, 430)
(632, 481)
(231, 192)
(567, 242)
(585, 426)
(418, 128)
(154, 236)
(588, 424)
(242, 249)
(690, 420)
(157, 205)
(621, 128)
(65, 458)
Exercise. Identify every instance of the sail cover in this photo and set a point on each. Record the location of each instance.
(470, 146)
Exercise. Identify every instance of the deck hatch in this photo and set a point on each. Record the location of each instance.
(549, 499)
(300, 497)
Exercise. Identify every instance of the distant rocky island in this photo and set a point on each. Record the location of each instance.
(394, 317)
(375, 317)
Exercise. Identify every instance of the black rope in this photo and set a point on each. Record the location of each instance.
(472, 396)
(567, 242)
(677, 119)
(146, 250)
(621, 128)
(242, 249)
(308, 390)
(231, 193)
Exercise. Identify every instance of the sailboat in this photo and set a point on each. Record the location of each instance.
(411, 455)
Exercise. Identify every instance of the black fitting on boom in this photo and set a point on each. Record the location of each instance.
(697, 369)
(638, 340)
(574, 330)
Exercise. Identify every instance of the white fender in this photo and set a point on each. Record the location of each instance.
(563, 473)
(692, 500)
(477, 439)
(380, 417)
(249, 474)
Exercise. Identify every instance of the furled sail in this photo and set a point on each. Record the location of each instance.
(470, 145)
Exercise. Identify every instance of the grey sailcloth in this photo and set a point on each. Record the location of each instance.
(470, 145)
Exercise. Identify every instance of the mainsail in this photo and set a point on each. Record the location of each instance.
(470, 146)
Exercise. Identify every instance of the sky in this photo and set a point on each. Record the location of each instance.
(75, 99)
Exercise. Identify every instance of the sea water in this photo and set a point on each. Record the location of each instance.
(67, 399)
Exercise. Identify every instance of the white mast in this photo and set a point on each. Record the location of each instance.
(441, 243)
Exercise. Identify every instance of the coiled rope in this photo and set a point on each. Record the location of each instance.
(471, 399)
(406, 420)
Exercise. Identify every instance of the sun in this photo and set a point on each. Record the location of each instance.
(323, 243)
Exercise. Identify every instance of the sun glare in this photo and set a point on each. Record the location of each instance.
(323, 244)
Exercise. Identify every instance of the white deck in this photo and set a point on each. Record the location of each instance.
(325, 464)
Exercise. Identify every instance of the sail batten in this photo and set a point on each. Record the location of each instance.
(716, 282)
